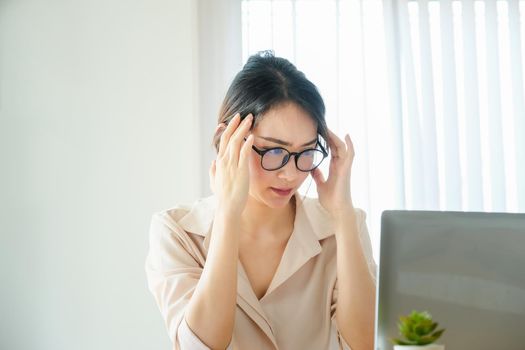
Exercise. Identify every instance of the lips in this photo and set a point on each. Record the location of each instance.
(281, 191)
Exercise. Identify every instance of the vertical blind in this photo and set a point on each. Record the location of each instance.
(461, 73)
(431, 92)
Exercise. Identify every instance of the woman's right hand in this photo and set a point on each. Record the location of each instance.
(229, 174)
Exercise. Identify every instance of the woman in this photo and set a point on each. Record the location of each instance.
(254, 266)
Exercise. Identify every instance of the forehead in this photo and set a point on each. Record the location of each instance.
(287, 122)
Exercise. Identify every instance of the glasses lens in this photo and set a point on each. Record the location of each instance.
(309, 159)
(274, 158)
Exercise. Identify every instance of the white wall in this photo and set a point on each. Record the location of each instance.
(220, 59)
(98, 130)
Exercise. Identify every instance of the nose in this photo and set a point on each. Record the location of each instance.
(289, 171)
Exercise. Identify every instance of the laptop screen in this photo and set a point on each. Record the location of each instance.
(466, 269)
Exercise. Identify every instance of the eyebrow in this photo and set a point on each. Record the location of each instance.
(284, 143)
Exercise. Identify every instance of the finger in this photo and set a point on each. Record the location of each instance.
(225, 137)
(350, 146)
(336, 144)
(236, 140)
(331, 144)
(336, 140)
(246, 151)
(213, 167)
(227, 132)
(212, 175)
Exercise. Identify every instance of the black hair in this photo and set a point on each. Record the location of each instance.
(266, 82)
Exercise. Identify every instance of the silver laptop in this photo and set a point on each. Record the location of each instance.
(467, 269)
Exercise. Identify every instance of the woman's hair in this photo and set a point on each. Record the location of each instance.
(266, 82)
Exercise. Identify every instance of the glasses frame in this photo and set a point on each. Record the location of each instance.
(296, 155)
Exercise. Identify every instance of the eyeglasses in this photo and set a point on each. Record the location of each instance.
(277, 157)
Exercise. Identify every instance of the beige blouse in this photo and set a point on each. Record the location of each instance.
(298, 310)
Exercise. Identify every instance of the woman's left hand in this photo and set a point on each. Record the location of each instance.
(334, 193)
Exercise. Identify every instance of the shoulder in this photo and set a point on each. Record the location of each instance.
(195, 217)
(173, 214)
(176, 235)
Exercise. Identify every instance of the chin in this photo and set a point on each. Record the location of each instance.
(270, 199)
(273, 200)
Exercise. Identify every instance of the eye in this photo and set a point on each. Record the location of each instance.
(274, 151)
(308, 153)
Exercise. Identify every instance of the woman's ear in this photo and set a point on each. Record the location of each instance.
(212, 175)
(219, 130)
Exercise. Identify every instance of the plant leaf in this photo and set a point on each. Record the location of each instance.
(437, 334)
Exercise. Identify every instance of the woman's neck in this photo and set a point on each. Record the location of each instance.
(262, 222)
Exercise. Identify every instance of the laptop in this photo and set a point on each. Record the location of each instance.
(467, 269)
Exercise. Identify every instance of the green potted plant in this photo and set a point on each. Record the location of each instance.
(419, 332)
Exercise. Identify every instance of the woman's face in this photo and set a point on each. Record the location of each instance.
(290, 127)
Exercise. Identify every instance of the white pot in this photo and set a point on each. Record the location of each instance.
(420, 347)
